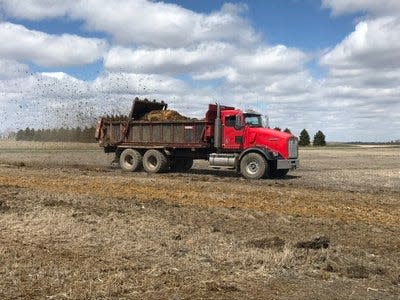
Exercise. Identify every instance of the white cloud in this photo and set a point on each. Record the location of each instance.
(223, 72)
(143, 22)
(295, 84)
(35, 10)
(20, 43)
(365, 66)
(374, 7)
(275, 60)
(56, 75)
(364, 69)
(12, 69)
(210, 61)
(373, 44)
(160, 24)
(166, 60)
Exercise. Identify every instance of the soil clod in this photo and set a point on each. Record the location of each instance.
(357, 271)
(221, 287)
(317, 243)
(329, 268)
(265, 243)
(3, 206)
(177, 237)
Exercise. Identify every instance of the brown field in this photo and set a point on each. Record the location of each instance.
(72, 227)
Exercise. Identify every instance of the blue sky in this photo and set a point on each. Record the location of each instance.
(295, 23)
(331, 64)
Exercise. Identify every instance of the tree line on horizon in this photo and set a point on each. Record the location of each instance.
(304, 138)
(82, 135)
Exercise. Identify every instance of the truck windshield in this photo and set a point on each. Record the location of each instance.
(253, 120)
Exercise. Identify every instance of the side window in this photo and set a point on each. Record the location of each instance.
(230, 121)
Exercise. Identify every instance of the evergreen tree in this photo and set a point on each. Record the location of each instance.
(28, 134)
(53, 135)
(78, 134)
(287, 130)
(304, 138)
(20, 135)
(319, 139)
(38, 135)
(46, 135)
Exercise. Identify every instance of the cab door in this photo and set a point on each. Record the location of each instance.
(232, 138)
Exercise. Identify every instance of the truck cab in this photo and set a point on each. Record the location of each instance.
(244, 134)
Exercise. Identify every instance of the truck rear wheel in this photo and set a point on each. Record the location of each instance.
(154, 161)
(130, 160)
(182, 164)
(253, 166)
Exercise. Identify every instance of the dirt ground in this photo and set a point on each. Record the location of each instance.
(72, 227)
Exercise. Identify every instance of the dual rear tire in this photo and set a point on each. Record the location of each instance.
(130, 160)
(153, 161)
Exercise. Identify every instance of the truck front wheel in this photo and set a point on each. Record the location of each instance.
(130, 160)
(253, 166)
(154, 161)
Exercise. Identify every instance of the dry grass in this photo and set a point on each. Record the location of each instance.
(336, 205)
(25, 145)
(89, 232)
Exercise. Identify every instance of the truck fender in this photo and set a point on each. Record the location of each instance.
(263, 151)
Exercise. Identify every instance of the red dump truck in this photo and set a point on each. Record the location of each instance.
(226, 137)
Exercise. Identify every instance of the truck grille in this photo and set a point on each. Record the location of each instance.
(293, 148)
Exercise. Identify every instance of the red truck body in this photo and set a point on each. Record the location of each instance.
(226, 137)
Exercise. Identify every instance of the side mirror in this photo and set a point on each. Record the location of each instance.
(238, 123)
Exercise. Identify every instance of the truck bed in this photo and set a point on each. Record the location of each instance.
(175, 134)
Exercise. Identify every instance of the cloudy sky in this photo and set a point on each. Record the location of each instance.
(332, 65)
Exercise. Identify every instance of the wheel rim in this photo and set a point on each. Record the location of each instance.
(128, 160)
(252, 167)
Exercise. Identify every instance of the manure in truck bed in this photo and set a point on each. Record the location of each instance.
(163, 115)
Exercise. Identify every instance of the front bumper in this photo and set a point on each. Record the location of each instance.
(287, 164)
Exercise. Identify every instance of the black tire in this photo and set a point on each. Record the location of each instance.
(181, 164)
(154, 161)
(281, 173)
(116, 163)
(254, 166)
(130, 160)
(269, 172)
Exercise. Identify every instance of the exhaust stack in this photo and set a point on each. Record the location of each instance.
(217, 128)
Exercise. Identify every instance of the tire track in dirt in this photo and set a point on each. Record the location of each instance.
(315, 203)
